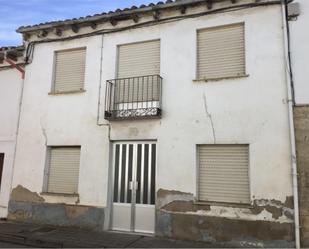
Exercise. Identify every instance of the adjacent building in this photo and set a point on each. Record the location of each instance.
(11, 85)
(170, 119)
(299, 50)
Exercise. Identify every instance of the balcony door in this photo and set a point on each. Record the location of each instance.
(134, 187)
(137, 84)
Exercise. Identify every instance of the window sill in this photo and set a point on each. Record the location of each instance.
(64, 93)
(59, 194)
(222, 78)
(223, 204)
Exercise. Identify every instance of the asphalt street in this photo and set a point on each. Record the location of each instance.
(10, 245)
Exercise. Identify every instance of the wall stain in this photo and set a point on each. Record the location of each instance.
(57, 214)
(164, 197)
(23, 194)
(275, 207)
(181, 218)
(73, 212)
(184, 206)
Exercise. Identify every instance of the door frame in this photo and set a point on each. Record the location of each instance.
(110, 195)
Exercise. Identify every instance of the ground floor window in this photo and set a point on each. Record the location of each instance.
(1, 166)
(223, 173)
(63, 169)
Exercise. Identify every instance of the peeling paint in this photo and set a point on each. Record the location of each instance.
(227, 232)
(184, 206)
(164, 197)
(212, 222)
(22, 194)
(275, 207)
(57, 214)
(271, 210)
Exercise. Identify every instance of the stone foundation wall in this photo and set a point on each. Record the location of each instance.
(267, 223)
(301, 120)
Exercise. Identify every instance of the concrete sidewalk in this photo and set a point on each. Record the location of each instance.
(61, 237)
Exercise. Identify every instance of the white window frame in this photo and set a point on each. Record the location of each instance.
(45, 189)
(197, 200)
(53, 83)
(197, 79)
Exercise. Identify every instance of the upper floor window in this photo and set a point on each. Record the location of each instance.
(139, 59)
(136, 60)
(221, 52)
(69, 73)
(136, 91)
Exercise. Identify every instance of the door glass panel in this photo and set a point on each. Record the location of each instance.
(122, 178)
(130, 174)
(145, 173)
(123, 174)
(116, 169)
(153, 174)
(138, 173)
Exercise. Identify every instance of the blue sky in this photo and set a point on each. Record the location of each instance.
(15, 13)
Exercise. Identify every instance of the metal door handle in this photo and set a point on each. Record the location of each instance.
(136, 185)
(131, 185)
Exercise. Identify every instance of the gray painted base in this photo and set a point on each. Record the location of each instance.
(225, 232)
(57, 214)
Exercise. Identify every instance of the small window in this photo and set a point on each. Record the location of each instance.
(69, 70)
(223, 173)
(1, 166)
(63, 170)
(221, 52)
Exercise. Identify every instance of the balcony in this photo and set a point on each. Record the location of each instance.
(133, 98)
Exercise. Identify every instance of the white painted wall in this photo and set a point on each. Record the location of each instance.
(249, 110)
(10, 90)
(300, 53)
(63, 120)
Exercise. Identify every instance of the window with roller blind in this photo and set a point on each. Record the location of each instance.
(221, 52)
(63, 171)
(69, 71)
(223, 173)
(134, 61)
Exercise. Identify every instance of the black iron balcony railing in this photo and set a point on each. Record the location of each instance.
(133, 98)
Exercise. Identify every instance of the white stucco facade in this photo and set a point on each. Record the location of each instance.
(10, 93)
(250, 110)
(300, 53)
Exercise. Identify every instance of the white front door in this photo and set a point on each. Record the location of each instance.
(134, 187)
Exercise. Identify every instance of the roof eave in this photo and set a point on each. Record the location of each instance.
(122, 14)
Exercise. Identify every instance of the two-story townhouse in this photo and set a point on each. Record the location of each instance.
(299, 51)
(170, 119)
(11, 85)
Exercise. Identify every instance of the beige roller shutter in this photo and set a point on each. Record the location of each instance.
(136, 60)
(70, 70)
(64, 170)
(221, 52)
(223, 173)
